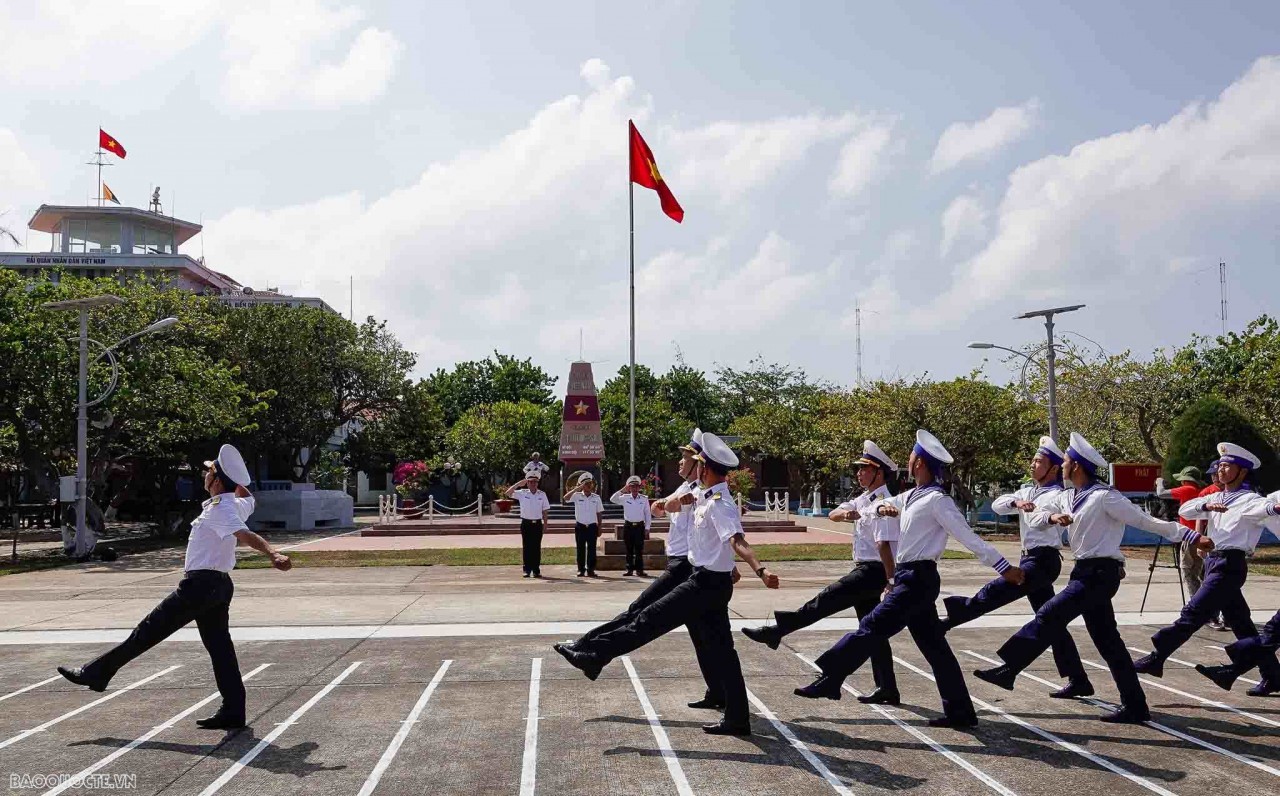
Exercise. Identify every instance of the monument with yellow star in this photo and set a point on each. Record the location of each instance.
(581, 443)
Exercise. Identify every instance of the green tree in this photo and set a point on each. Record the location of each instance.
(660, 430)
(1244, 368)
(1208, 421)
(494, 440)
(762, 382)
(487, 381)
(693, 396)
(411, 431)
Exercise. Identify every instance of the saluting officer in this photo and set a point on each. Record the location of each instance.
(534, 506)
(1096, 515)
(1236, 517)
(1041, 564)
(928, 515)
(588, 516)
(875, 543)
(637, 516)
(203, 595)
(702, 600)
(678, 571)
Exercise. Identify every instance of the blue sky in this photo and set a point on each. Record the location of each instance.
(946, 166)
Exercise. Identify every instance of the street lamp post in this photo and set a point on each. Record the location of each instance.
(83, 542)
(1051, 357)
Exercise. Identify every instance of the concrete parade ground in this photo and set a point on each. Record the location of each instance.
(442, 680)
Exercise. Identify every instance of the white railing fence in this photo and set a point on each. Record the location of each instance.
(776, 505)
(389, 512)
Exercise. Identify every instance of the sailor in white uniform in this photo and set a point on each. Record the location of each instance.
(1096, 515)
(1236, 518)
(875, 543)
(203, 595)
(929, 515)
(637, 516)
(701, 600)
(1041, 564)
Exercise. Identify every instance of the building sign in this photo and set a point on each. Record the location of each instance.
(580, 438)
(1135, 477)
(64, 260)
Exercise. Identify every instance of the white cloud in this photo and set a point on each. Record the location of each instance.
(862, 159)
(280, 55)
(964, 141)
(19, 174)
(965, 219)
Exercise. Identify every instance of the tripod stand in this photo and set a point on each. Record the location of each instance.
(1162, 508)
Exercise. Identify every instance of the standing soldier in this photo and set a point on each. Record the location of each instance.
(875, 543)
(588, 516)
(637, 516)
(1236, 518)
(701, 601)
(928, 516)
(534, 506)
(1096, 515)
(203, 595)
(1041, 564)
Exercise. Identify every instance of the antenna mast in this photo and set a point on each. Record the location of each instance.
(99, 162)
(1222, 292)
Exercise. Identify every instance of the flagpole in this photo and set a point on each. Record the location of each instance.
(631, 209)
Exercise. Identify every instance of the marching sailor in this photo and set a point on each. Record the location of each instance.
(875, 543)
(928, 516)
(1246, 653)
(701, 601)
(1236, 517)
(637, 516)
(1096, 515)
(203, 595)
(1041, 563)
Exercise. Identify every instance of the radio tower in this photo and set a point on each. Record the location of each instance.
(1222, 292)
(857, 325)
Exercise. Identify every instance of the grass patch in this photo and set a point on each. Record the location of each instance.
(1265, 563)
(510, 556)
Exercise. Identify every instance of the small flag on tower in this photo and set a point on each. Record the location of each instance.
(108, 195)
(110, 144)
(644, 172)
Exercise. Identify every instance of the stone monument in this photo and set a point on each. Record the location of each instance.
(581, 443)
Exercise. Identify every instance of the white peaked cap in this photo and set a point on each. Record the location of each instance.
(584, 478)
(231, 464)
(1231, 452)
(635, 479)
(933, 447)
(1051, 445)
(695, 442)
(718, 451)
(1081, 446)
(871, 454)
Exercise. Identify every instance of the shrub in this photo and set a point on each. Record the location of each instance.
(1197, 431)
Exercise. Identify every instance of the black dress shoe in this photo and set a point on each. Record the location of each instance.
(764, 634)
(582, 661)
(881, 696)
(726, 728)
(1073, 689)
(527, 575)
(954, 722)
(77, 675)
(222, 721)
(582, 574)
(707, 703)
(642, 574)
(592, 575)
(1001, 675)
(1128, 715)
(1222, 676)
(1264, 688)
(627, 574)
(1150, 664)
(822, 688)
(953, 605)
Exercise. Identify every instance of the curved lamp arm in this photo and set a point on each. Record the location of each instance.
(115, 369)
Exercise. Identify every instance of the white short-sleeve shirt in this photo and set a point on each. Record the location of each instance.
(532, 504)
(587, 508)
(212, 543)
(715, 521)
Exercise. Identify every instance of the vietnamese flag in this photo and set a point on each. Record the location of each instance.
(110, 144)
(644, 172)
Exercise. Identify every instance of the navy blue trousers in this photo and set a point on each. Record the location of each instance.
(1040, 568)
(1094, 581)
(1259, 650)
(1220, 592)
(909, 605)
(859, 590)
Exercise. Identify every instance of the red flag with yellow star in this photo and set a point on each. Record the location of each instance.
(110, 144)
(644, 172)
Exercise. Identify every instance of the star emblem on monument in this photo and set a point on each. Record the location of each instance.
(580, 408)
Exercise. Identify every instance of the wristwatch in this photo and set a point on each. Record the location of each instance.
(760, 572)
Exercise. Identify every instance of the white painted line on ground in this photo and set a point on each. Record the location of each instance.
(1215, 703)
(76, 779)
(375, 776)
(1155, 725)
(83, 708)
(529, 765)
(31, 687)
(323, 539)
(249, 756)
(978, 773)
(659, 732)
(1065, 744)
(785, 732)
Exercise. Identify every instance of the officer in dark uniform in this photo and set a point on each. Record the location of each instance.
(203, 595)
(702, 600)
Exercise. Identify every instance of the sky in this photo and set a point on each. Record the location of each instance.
(942, 166)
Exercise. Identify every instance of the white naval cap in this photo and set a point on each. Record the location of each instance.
(872, 455)
(717, 453)
(633, 481)
(933, 451)
(695, 442)
(231, 464)
(1085, 454)
(584, 478)
(1231, 452)
(533, 473)
(1049, 447)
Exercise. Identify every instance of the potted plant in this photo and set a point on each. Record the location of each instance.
(501, 503)
(741, 482)
(412, 481)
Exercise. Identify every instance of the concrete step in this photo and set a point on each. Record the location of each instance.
(617, 547)
(653, 564)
